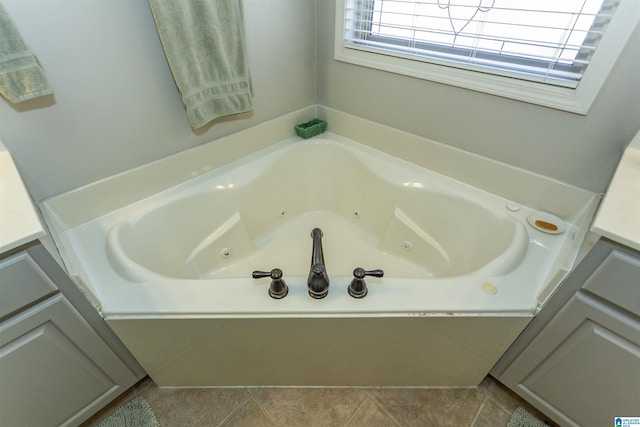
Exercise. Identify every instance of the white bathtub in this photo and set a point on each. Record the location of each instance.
(444, 246)
(375, 212)
(464, 270)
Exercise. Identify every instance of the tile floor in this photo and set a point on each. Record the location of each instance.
(489, 404)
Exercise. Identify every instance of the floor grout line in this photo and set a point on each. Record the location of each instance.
(356, 411)
(384, 410)
(235, 410)
(264, 410)
(480, 408)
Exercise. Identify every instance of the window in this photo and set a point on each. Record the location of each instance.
(549, 52)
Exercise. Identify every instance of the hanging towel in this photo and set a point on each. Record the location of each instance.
(21, 77)
(203, 41)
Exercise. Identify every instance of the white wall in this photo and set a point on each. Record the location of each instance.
(115, 104)
(580, 150)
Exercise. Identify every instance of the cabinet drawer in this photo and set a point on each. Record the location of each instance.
(617, 280)
(22, 283)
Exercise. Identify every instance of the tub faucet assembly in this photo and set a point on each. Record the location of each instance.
(318, 281)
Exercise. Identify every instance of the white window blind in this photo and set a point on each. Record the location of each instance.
(545, 41)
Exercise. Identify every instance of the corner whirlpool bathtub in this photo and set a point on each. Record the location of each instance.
(173, 272)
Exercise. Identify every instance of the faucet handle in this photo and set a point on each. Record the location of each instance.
(278, 288)
(360, 273)
(358, 287)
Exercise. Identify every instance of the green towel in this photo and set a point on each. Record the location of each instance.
(21, 77)
(134, 413)
(203, 41)
(522, 418)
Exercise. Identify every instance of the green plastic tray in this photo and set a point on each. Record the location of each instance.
(312, 128)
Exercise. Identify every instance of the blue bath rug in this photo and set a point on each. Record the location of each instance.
(134, 413)
(522, 418)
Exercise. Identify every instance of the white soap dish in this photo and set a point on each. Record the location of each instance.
(546, 223)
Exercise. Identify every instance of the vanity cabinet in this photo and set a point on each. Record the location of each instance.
(579, 360)
(59, 362)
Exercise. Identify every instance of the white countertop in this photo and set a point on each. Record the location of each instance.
(618, 218)
(19, 221)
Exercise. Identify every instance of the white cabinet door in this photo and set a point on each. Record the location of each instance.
(54, 368)
(584, 367)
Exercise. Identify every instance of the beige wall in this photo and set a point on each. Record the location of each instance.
(580, 150)
(116, 105)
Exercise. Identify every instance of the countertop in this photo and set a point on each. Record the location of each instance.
(19, 221)
(618, 217)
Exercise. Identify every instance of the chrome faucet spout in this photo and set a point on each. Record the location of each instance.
(318, 281)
